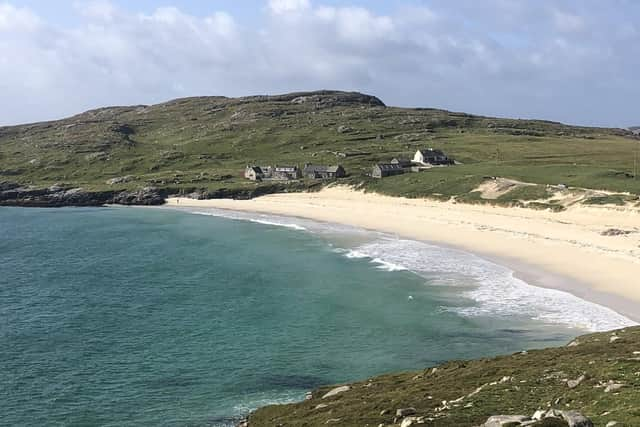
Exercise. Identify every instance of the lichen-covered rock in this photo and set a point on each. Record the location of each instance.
(336, 391)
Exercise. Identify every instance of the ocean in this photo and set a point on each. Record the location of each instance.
(192, 317)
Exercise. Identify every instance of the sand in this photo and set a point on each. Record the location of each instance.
(600, 268)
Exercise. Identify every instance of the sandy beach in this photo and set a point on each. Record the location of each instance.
(576, 246)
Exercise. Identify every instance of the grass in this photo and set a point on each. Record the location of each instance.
(536, 380)
(204, 144)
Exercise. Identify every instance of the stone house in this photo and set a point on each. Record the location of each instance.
(287, 172)
(431, 157)
(323, 172)
(402, 162)
(382, 170)
(254, 173)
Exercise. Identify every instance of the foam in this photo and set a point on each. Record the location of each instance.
(261, 219)
(496, 292)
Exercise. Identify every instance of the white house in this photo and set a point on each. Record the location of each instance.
(431, 157)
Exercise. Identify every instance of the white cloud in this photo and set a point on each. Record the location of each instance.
(288, 6)
(506, 58)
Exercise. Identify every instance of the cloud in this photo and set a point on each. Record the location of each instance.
(287, 6)
(566, 60)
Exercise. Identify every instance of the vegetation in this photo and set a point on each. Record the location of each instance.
(604, 369)
(204, 144)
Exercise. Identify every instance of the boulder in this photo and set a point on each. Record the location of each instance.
(575, 383)
(405, 412)
(576, 419)
(505, 420)
(336, 391)
(412, 421)
(612, 386)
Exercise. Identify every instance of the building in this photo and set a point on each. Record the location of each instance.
(323, 172)
(382, 170)
(286, 172)
(402, 162)
(254, 173)
(431, 157)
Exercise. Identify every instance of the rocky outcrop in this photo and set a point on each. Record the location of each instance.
(548, 418)
(12, 194)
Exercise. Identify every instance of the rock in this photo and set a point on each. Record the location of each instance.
(611, 424)
(573, 343)
(539, 414)
(333, 420)
(505, 420)
(385, 412)
(308, 396)
(576, 419)
(405, 412)
(412, 421)
(120, 180)
(614, 338)
(612, 386)
(575, 383)
(344, 129)
(336, 391)
(321, 406)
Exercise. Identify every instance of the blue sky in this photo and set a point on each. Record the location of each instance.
(575, 61)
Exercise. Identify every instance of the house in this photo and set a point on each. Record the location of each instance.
(431, 157)
(254, 173)
(382, 170)
(402, 162)
(286, 172)
(323, 172)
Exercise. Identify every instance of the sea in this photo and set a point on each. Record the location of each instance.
(194, 317)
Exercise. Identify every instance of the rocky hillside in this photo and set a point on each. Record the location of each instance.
(594, 380)
(203, 144)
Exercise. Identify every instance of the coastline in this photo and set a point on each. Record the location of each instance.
(564, 251)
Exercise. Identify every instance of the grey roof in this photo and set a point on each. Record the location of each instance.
(321, 168)
(402, 162)
(256, 169)
(388, 166)
(286, 168)
(431, 152)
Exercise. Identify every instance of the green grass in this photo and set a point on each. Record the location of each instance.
(537, 382)
(204, 144)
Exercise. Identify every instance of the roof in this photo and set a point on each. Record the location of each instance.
(321, 168)
(431, 152)
(402, 162)
(286, 168)
(256, 169)
(388, 166)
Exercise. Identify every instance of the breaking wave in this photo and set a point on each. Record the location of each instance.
(494, 289)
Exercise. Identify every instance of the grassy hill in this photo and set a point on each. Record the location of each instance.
(597, 375)
(204, 143)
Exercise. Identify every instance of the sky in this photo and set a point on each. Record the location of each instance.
(575, 61)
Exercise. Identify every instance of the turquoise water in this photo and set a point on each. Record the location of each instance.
(122, 317)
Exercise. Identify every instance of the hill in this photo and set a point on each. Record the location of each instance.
(597, 375)
(203, 144)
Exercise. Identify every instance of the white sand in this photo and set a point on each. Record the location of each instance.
(569, 243)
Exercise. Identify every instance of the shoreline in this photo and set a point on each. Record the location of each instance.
(542, 248)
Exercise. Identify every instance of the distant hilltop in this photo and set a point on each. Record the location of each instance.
(202, 146)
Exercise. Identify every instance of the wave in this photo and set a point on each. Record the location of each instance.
(262, 219)
(495, 291)
(493, 288)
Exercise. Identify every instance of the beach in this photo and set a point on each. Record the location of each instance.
(574, 250)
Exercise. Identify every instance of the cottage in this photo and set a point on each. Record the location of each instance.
(287, 172)
(382, 170)
(323, 172)
(402, 162)
(254, 173)
(431, 157)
